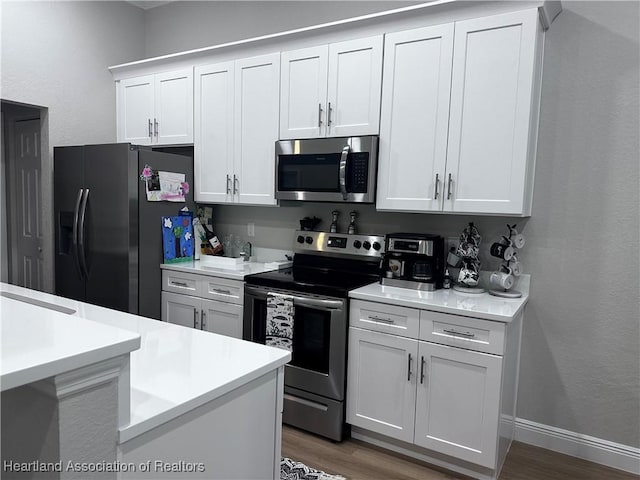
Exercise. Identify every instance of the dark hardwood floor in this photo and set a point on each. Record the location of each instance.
(357, 460)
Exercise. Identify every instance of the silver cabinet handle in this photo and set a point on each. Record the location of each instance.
(81, 238)
(236, 184)
(155, 127)
(449, 187)
(459, 334)
(150, 128)
(228, 186)
(329, 115)
(409, 368)
(220, 290)
(422, 362)
(179, 284)
(195, 317)
(76, 220)
(380, 319)
(435, 196)
(343, 170)
(203, 316)
(319, 114)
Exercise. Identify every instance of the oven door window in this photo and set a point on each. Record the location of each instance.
(309, 173)
(311, 339)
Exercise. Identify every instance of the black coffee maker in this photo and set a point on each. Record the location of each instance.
(413, 260)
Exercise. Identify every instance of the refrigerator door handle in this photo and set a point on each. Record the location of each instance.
(74, 234)
(82, 252)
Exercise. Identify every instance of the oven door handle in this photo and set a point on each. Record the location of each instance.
(302, 301)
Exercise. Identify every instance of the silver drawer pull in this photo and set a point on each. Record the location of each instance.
(409, 372)
(179, 284)
(459, 334)
(380, 319)
(221, 291)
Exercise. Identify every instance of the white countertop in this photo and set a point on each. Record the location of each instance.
(38, 343)
(247, 268)
(475, 305)
(176, 368)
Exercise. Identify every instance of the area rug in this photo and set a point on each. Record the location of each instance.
(292, 470)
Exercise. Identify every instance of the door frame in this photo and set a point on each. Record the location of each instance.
(13, 112)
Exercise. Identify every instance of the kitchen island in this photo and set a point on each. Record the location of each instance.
(200, 405)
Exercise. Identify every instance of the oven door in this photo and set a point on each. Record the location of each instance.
(318, 360)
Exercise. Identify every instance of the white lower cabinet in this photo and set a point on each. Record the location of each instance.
(449, 397)
(185, 302)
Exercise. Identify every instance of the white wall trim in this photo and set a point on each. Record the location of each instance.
(597, 450)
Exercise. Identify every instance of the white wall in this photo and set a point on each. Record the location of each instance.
(580, 367)
(55, 55)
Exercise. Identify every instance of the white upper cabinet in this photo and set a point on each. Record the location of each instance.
(460, 116)
(156, 109)
(213, 133)
(236, 126)
(415, 115)
(494, 114)
(332, 90)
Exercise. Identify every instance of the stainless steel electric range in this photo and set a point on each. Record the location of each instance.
(325, 268)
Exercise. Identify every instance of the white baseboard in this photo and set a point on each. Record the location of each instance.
(597, 450)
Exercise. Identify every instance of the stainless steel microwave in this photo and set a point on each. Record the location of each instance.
(327, 169)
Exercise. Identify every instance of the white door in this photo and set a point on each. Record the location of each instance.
(381, 383)
(257, 92)
(28, 204)
(174, 107)
(414, 120)
(458, 403)
(223, 318)
(136, 110)
(491, 109)
(213, 136)
(355, 78)
(303, 93)
(181, 309)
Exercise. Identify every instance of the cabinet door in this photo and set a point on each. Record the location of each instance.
(136, 110)
(491, 113)
(458, 402)
(381, 383)
(174, 107)
(257, 93)
(303, 94)
(414, 121)
(213, 136)
(222, 318)
(355, 77)
(181, 309)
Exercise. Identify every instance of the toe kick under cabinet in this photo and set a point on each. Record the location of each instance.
(204, 302)
(436, 386)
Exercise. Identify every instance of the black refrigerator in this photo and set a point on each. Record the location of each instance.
(108, 247)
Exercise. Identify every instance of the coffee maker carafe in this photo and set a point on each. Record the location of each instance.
(413, 260)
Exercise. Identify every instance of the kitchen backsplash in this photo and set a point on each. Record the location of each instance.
(274, 226)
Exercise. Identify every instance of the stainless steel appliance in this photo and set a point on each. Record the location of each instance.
(325, 267)
(108, 246)
(413, 260)
(327, 169)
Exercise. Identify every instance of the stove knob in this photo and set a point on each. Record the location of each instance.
(376, 246)
(300, 239)
(309, 240)
(366, 245)
(357, 243)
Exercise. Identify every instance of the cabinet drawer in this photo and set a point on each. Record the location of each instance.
(230, 291)
(385, 318)
(464, 332)
(180, 282)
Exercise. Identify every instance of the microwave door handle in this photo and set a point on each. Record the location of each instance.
(343, 171)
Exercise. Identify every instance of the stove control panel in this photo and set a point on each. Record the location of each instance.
(338, 243)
